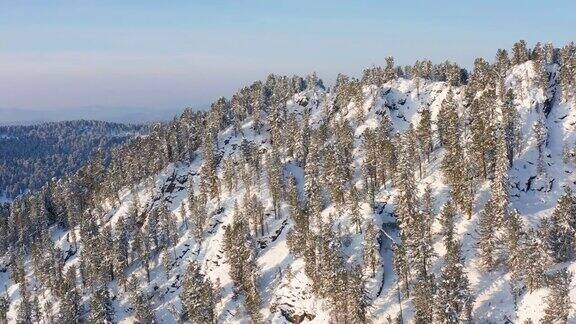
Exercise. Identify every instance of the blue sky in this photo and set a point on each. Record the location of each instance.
(171, 54)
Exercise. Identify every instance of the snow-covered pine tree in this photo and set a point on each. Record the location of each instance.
(356, 295)
(70, 309)
(4, 307)
(487, 228)
(389, 70)
(416, 149)
(447, 216)
(423, 294)
(406, 200)
(314, 196)
(229, 178)
(121, 252)
(447, 120)
(424, 131)
(539, 64)
(541, 135)
(371, 248)
(499, 186)
(535, 260)
(515, 240)
(199, 215)
(453, 299)
(143, 310)
(558, 304)
(354, 206)
(422, 254)
(209, 177)
(502, 62)
(510, 123)
(402, 268)
(275, 179)
(454, 166)
(101, 308)
(560, 228)
(198, 296)
(519, 52)
(482, 131)
(26, 312)
(567, 71)
(241, 256)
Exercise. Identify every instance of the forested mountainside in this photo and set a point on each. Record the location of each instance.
(30, 156)
(418, 194)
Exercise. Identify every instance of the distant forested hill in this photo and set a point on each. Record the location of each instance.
(32, 155)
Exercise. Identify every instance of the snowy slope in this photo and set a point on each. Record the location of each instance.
(284, 286)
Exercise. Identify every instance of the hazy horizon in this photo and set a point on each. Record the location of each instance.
(133, 115)
(140, 60)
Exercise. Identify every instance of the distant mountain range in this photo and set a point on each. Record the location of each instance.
(17, 116)
(32, 155)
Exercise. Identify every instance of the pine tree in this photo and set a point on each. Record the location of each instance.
(447, 120)
(406, 200)
(241, 256)
(315, 199)
(71, 303)
(167, 227)
(198, 296)
(454, 168)
(499, 187)
(453, 299)
(210, 182)
(567, 70)
(427, 212)
(370, 167)
(447, 216)
(487, 236)
(275, 180)
(515, 238)
(422, 253)
(560, 228)
(558, 304)
(141, 304)
(26, 306)
(401, 268)
(101, 308)
(354, 204)
(4, 307)
(292, 195)
(510, 124)
(371, 248)
(199, 215)
(229, 174)
(166, 261)
(389, 70)
(536, 262)
(356, 295)
(121, 253)
(481, 130)
(519, 52)
(539, 64)
(502, 63)
(541, 134)
(416, 149)
(424, 290)
(257, 103)
(550, 54)
(302, 145)
(424, 131)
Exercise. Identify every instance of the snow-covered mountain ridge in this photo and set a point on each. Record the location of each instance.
(298, 210)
